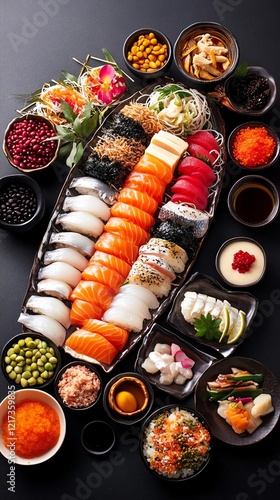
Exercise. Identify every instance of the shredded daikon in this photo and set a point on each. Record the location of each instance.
(180, 110)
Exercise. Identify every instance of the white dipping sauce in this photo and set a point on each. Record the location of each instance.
(234, 277)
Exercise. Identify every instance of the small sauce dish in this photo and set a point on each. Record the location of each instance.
(98, 437)
(225, 259)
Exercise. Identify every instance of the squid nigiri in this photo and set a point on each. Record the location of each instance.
(131, 303)
(45, 325)
(73, 240)
(81, 222)
(55, 288)
(68, 255)
(123, 318)
(141, 292)
(60, 271)
(50, 306)
(87, 203)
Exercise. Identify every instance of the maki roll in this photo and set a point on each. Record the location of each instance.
(170, 230)
(106, 170)
(124, 126)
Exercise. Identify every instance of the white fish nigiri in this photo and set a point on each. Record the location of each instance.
(68, 255)
(54, 288)
(60, 271)
(140, 291)
(81, 222)
(131, 304)
(73, 240)
(87, 203)
(50, 306)
(123, 318)
(93, 186)
(148, 277)
(45, 325)
(173, 254)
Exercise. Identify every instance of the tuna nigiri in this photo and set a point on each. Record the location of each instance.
(117, 336)
(82, 310)
(126, 230)
(60, 271)
(68, 255)
(50, 306)
(112, 262)
(138, 199)
(150, 165)
(87, 203)
(104, 275)
(45, 325)
(147, 183)
(92, 291)
(133, 214)
(81, 222)
(73, 240)
(92, 345)
(119, 247)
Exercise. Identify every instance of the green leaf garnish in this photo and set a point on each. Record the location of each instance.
(70, 77)
(68, 112)
(241, 70)
(207, 327)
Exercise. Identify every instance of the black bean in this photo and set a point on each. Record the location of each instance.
(18, 203)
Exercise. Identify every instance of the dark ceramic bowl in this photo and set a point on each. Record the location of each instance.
(20, 368)
(162, 40)
(146, 442)
(30, 190)
(224, 259)
(216, 31)
(41, 164)
(253, 201)
(78, 388)
(242, 109)
(254, 125)
(98, 437)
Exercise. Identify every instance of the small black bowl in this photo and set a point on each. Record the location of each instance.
(59, 376)
(162, 40)
(98, 437)
(21, 337)
(146, 452)
(10, 186)
(216, 30)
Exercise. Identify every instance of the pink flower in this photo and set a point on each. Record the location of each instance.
(106, 84)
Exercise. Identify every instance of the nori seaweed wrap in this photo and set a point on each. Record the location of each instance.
(171, 231)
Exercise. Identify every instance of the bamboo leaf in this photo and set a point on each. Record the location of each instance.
(111, 60)
(89, 125)
(87, 110)
(77, 127)
(69, 76)
(79, 153)
(71, 157)
(65, 150)
(68, 112)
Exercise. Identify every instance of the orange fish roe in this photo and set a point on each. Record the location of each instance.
(37, 429)
(253, 147)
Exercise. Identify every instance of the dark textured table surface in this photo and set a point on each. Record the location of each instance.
(39, 38)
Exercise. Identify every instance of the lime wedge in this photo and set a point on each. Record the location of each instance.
(238, 328)
(225, 323)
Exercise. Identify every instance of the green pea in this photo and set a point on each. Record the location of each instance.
(44, 359)
(9, 369)
(40, 362)
(18, 378)
(28, 354)
(12, 375)
(26, 374)
(45, 374)
(27, 340)
(21, 363)
(19, 358)
(48, 355)
(33, 367)
(44, 344)
(37, 355)
(13, 363)
(10, 351)
(48, 366)
(28, 361)
(51, 350)
(23, 382)
(13, 356)
(42, 350)
(16, 348)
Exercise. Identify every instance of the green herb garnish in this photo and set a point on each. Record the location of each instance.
(207, 327)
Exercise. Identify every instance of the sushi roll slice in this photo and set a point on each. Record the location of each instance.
(87, 203)
(175, 256)
(81, 222)
(125, 126)
(73, 240)
(55, 288)
(94, 187)
(68, 255)
(45, 325)
(49, 306)
(172, 231)
(60, 271)
(148, 277)
(109, 172)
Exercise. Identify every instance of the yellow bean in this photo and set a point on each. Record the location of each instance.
(152, 57)
(161, 58)
(134, 49)
(139, 54)
(153, 65)
(136, 66)
(154, 41)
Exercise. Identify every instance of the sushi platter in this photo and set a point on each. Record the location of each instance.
(63, 230)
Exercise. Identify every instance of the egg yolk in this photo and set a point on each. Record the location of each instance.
(126, 401)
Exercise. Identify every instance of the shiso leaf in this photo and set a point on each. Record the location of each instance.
(207, 327)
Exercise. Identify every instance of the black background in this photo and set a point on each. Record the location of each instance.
(38, 40)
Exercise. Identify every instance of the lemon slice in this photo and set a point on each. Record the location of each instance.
(225, 323)
(238, 328)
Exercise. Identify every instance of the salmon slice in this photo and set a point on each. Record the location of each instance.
(104, 275)
(138, 199)
(112, 262)
(117, 336)
(133, 214)
(114, 245)
(151, 165)
(126, 230)
(146, 183)
(93, 345)
(82, 310)
(94, 292)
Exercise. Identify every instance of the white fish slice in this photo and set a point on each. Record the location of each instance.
(73, 240)
(95, 187)
(60, 271)
(123, 318)
(217, 309)
(56, 288)
(209, 305)
(87, 203)
(50, 306)
(140, 291)
(81, 222)
(197, 310)
(68, 255)
(187, 304)
(45, 325)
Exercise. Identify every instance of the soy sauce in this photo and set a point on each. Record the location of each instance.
(253, 203)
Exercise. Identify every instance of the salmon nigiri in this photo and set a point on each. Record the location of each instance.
(111, 261)
(151, 165)
(94, 292)
(133, 214)
(82, 310)
(138, 199)
(117, 246)
(126, 230)
(147, 183)
(117, 336)
(92, 345)
(104, 275)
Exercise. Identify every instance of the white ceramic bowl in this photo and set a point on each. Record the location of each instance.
(32, 395)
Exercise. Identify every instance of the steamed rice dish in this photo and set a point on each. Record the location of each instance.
(176, 444)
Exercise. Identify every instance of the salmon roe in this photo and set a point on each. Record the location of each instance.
(242, 261)
(253, 147)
